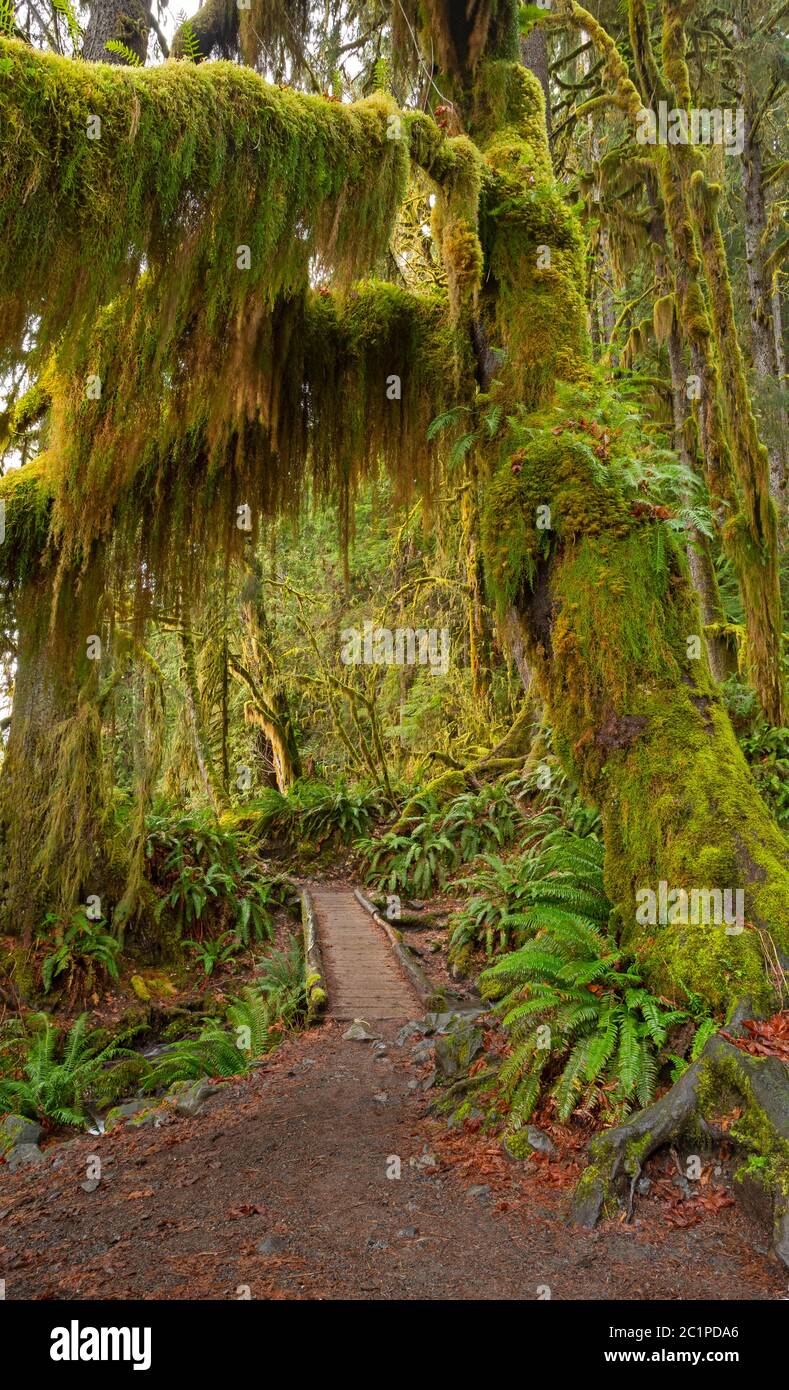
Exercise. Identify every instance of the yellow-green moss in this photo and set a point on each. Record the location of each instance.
(191, 162)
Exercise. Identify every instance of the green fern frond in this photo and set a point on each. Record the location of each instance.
(122, 50)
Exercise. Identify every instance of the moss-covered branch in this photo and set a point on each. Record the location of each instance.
(224, 185)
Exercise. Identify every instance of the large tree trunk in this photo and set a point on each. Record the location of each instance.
(638, 722)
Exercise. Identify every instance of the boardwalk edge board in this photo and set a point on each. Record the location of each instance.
(315, 981)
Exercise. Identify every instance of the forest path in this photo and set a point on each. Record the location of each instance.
(362, 975)
(321, 1175)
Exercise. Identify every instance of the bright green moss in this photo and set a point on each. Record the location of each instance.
(532, 242)
(190, 163)
(26, 494)
(607, 610)
(560, 473)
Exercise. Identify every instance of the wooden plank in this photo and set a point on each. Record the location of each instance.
(363, 978)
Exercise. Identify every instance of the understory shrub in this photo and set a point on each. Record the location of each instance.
(208, 878)
(555, 868)
(51, 1076)
(421, 854)
(313, 813)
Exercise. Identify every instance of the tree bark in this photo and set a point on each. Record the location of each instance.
(212, 782)
(126, 21)
(766, 366)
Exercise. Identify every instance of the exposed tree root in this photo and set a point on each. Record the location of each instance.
(725, 1093)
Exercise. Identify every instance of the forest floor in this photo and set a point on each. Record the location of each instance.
(285, 1187)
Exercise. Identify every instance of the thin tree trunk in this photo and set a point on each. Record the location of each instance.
(269, 707)
(766, 365)
(212, 782)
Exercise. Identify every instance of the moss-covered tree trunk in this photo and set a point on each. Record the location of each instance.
(269, 706)
(612, 631)
(604, 607)
(121, 21)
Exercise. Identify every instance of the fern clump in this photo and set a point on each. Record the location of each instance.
(557, 869)
(254, 1025)
(209, 882)
(420, 854)
(60, 1077)
(313, 813)
(84, 957)
(581, 1025)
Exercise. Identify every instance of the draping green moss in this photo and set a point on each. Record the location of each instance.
(317, 393)
(26, 496)
(190, 163)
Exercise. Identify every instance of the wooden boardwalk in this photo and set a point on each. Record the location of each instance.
(363, 977)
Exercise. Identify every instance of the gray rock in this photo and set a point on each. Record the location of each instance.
(17, 1129)
(409, 1030)
(358, 1032)
(422, 1052)
(23, 1156)
(539, 1141)
(136, 1112)
(456, 1051)
(425, 1160)
(449, 1019)
(429, 1081)
(272, 1245)
(408, 1233)
(381, 1097)
(643, 1186)
(190, 1096)
(522, 1143)
(374, 1244)
(479, 1190)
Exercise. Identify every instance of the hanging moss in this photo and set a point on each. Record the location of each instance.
(27, 497)
(316, 393)
(191, 162)
(455, 166)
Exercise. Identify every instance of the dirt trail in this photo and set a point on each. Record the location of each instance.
(322, 1175)
(362, 974)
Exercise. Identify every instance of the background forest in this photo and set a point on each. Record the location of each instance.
(575, 512)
